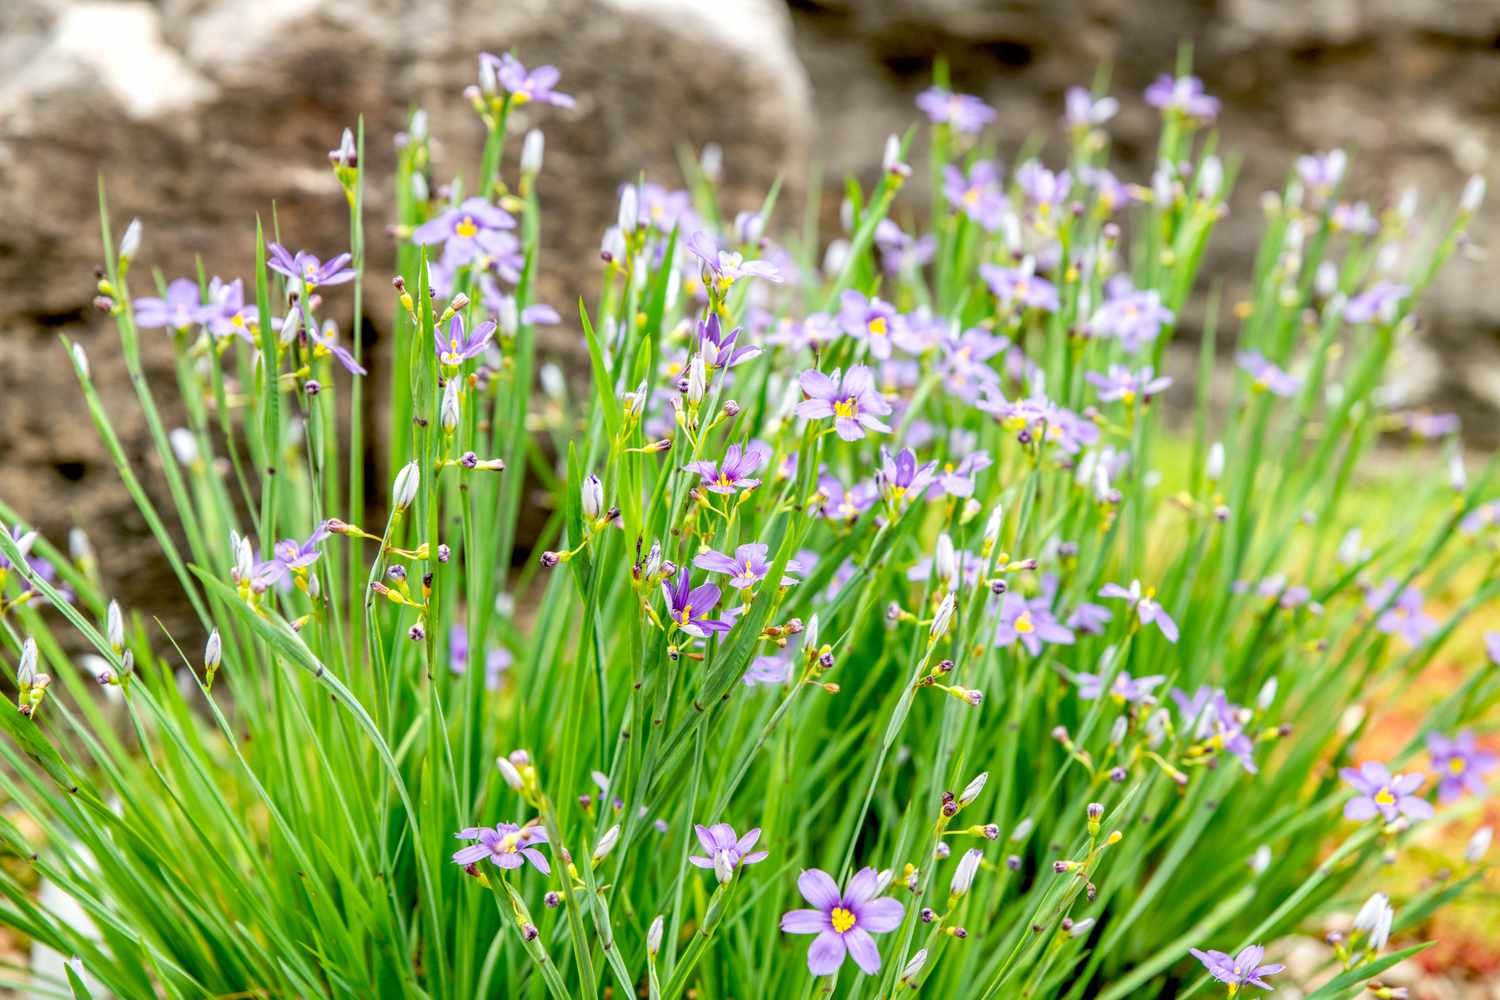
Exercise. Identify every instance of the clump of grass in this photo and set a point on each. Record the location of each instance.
(840, 597)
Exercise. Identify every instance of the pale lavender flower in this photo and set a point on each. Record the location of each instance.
(181, 309)
(720, 842)
(727, 266)
(852, 401)
(1322, 172)
(1239, 970)
(1354, 218)
(1265, 375)
(1089, 618)
(872, 321)
(1379, 301)
(667, 210)
(1184, 95)
(462, 229)
(899, 252)
(965, 112)
(228, 315)
(1384, 794)
(497, 659)
(326, 342)
(1043, 188)
(1132, 316)
(506, 845)
(1210, 717)
(1430, 426)
(966, 369)
(524, 86)
(1486, 515)
(1459, 762)
(1124, 689)
(1405, 616)
(735, 472)
(1020, 285)
(1123, 385)
(843, 504)
(1082, 110)
(958, 480)
(746, 568)
(1031, 622)
(979, 195)
(309, 270)
(1492, 647)
(1109, 191)
(458, 346)
(1143, 603)
(843, 922)
(900, 477)
(768, 670)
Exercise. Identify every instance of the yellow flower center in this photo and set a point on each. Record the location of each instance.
(843, 920)
(686, 615)
(1128, 396)
(971, 196)
(723, 480)
(466, 227)
(1384, 797)
(511, 843)
(1023, 624)
(1457, 765)
(898, 492)
(877, 326)
(519, 97)
(846, 408)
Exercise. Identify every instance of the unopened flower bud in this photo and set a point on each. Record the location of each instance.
(213, 651)
(532, 148)
(629, 215)
(114, 626)
(552, 900)
(407, 482)
(942, 619)
(1473, 195)
(973, 788)
(963, 875)
(591, 497)
(1478, 846)
(914, 968)
(606, 843)
(450, 413)
(1214, 467)
(510, 773)
(653, 936)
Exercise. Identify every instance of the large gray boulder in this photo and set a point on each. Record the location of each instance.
(199, 114)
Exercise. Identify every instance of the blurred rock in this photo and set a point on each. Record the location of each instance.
(201, 114)
(1409, 87)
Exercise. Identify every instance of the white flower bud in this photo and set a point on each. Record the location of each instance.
(1374, 918)
(418, 127)
(943, 618)
(213, 650)
(846, 215)
(1214, 467)
(1458, 476)
(114, 626)
(653, 936)
(591, 497)
(963, 875)
(723, 867)
(945, 560)
(892, 156)
(1117, 731)
(1327, 280)
(1081, 927)
(532, 149)
(489, 81)
(606, 843)
(420, 192)
(79, 546)
(130, 243)
(972, 789)
(450, 413)
(26, 668)
(711, 162)
(184, 445)
(834, 256)
(1478, 846)
(992, 526)
(674, 288)
(697, 379)
(612, 246)
(1022, 830)
(1473, 195)
(81, 359)
(1261, 859)
(883, 880)
(913, 968)
(630, 209)
(1210, 178)
(509, 772)
(405, 489)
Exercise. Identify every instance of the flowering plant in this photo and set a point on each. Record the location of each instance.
(922, 467)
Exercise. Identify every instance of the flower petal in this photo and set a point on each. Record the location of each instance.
(862, 949)
(818, 888)
(825, 954)
(881, 915)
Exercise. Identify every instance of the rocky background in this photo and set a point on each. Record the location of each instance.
(200, 114)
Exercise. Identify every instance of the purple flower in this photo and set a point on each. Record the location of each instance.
(326, 342)
(227, 313)
(1042, 187)
(901, 477)
(727, 265)
(1240, 970)
(1384, 795)
(843, 922)
(667, 210)
(1143, 603)
(1089, 619)
(767, 670)
(456, 348)
(1031, 622)
(1378, 301)
(182, 308)
(718, 348)
(459, 230)
(747, 568)
(522, 86)
(307, 269)
(1354, 218)
(1405, 616)
(958, 480)
(1184, 95)
(965, 362)
(870, 320)
(1481, 517)
(1125, 689)
(1020, 285)
(978, 195)
(844, 504)
(1219, 725)
(1132, 316)
(851, 401)
(1082, 110)
(733, 474)
(1460, 761)
(1110, 192)
(1321, 172)
(507, 845)
(690, 608)
(965, 112)
(1126, 386)
(719, 841)
(900, 252)
(295, 556)
(1266, 376)
(1430, 426)
(497, 659)
(1492, 647)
